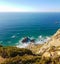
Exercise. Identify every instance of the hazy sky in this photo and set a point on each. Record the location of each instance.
(29, 5)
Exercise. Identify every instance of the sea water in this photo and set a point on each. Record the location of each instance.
(15, 26)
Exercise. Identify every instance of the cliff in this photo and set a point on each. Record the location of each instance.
(52, 46)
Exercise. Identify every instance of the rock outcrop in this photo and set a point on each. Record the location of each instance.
(25, 40)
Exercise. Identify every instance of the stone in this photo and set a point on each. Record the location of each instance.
(25, 40)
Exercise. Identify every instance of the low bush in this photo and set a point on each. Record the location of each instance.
(26, 59)
(7, 52)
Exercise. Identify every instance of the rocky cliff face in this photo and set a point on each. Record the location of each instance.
(53, 42)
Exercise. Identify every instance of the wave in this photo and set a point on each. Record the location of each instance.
(22, 45)
(39, 40)
(13, 36)
(1, 42)
(42, 39)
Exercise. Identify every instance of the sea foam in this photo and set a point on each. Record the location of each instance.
(13, 36)
(39, 40)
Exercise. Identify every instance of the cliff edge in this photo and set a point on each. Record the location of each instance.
(53, 42)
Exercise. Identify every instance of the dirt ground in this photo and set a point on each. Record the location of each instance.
(1, 60)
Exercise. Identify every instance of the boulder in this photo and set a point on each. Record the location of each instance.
(32, 40)
(25, 40)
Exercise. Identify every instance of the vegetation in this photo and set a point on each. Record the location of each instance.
(26, 59)
(14, 55)
(29, 59)
(7, 52)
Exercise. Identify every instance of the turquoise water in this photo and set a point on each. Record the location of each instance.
(14, 26)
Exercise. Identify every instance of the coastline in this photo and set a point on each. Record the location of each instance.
(15, 26)
(33, 53)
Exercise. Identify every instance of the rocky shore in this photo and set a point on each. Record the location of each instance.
(47, 53)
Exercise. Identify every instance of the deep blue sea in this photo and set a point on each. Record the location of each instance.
(15, 26)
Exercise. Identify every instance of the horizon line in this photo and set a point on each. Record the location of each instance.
(28, 11)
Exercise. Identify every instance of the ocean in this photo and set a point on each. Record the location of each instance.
(15, 26)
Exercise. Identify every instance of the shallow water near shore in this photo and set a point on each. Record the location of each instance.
(15, 26)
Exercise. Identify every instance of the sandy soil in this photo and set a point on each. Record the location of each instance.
(1, 60)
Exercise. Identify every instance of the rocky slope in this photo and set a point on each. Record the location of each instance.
(52, 45)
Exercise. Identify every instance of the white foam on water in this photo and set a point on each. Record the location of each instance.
(13, 36)
(39, 40)
(1, 42)
(21, 45)
(42, 39)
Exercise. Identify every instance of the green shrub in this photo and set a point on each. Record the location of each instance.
(7, 52)
(26, 59)
(30, 59)
(14, 55)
